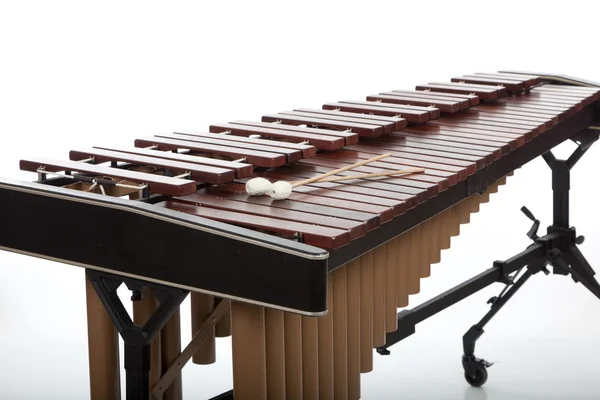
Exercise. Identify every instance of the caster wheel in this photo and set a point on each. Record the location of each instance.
(480, 375)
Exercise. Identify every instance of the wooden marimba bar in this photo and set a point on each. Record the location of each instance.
(454, 130)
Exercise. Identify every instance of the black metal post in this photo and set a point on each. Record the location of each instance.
(476, 330)
(137, 370)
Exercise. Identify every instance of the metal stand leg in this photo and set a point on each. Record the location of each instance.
(137, 338)
(476, 368)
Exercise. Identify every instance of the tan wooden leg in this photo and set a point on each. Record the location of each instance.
(249, 351)
(103, 349)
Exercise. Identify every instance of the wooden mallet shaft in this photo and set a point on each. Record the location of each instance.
(337, 171)
(373, 175)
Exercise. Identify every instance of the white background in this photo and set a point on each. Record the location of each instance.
(77, 74)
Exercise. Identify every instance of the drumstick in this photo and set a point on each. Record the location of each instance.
(282, 189)
(363, 176)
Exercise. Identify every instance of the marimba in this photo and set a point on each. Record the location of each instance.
(309, 286)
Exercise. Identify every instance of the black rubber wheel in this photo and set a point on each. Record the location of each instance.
(480, 377)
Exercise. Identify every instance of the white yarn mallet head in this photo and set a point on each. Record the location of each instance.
(258, 186)
(279, 190)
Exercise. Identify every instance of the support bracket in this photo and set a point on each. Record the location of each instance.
(137, 338)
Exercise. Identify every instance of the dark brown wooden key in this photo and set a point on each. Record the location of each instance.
(384, 212)
(321, 142)
(499, 148)
(348, 137)
(465, 101)
(306, 149)
(557, 109)
(528, 80)
(401, 183)
(356, 229)
(380, 108)
(369, 219)
(523, 108)
(510, 85)
(200, 173)
(445, 106)
(453, 174)
(257, 158)
(398, 206)
(319, 236)
(554, 97)
(292, 174)
(513, 141)
(387, 100)
(485, 92)
(294, 119)
(290, 154)
(385, 183)
(486, 117)
(497, 111)
(410, 144)
(475, 120)
(390, 123)
(241, 170)
(528, 134)
(592, 93)
(335, 163)
(156, 183)
(469, 165)
(380, 127)
(541, 98)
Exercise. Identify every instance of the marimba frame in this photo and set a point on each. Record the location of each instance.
(159, 290)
